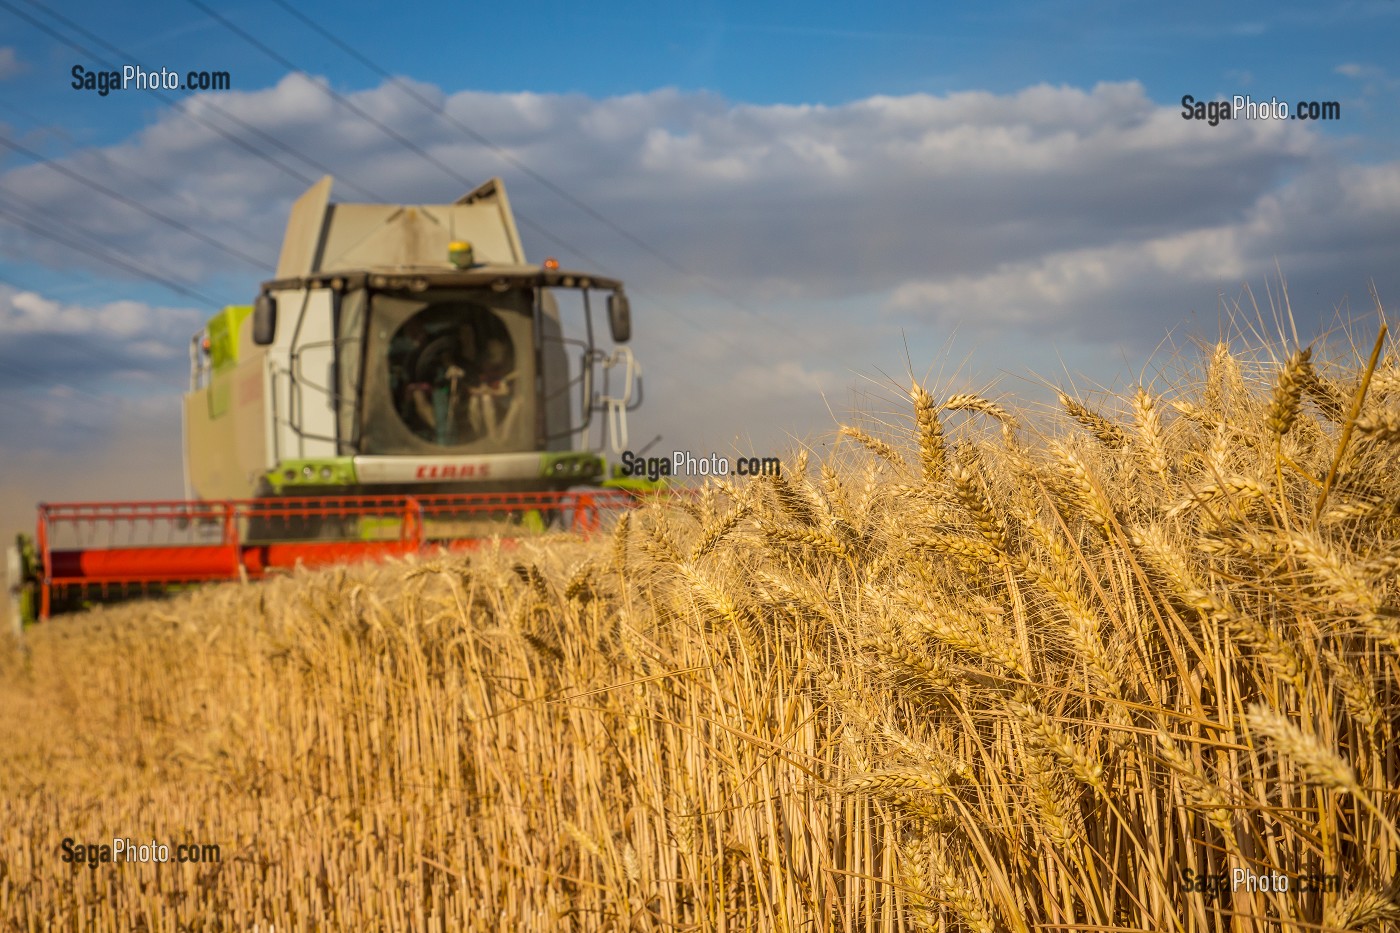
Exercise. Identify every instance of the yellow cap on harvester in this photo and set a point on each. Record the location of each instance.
(459, 253)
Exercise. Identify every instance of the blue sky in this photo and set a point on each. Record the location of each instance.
(858, 192)
(794, 53)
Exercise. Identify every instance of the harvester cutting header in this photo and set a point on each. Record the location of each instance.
(405, 373)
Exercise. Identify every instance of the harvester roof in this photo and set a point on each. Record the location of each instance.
(323, 237)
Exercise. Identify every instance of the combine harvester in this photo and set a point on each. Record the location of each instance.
(403, 384)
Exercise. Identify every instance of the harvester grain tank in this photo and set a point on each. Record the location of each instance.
(405, 381)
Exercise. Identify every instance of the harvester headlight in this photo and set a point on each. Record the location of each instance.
(325, 472)
(560, 467)
(289, 475)
(308, 471)
(568, 281)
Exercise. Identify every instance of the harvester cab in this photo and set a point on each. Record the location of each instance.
(405, 383)
(407, 349)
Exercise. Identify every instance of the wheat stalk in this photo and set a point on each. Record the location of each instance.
(797, 503)
(972, 551)
(1320, 763)
(1325, 393)
(963, 631)
(1283, 408)
(1357, 696)
(876, 446)
(1379, 427)
(1267, 643)
(1048, 801)
(932, 456)
(716, 531)
(1346, 582)
(1150, 434)
(952, 889)
(1233, 487)
(1364, 909)
(1084, 492)
(1223, 381)
(970, 491)
(1047, 736)
(899, 779)
(837, 497)
(1203, 793)
(661, 543)
(1108, 433)
(818, 538)
(721, 604)
(966, 401)
(580, 585)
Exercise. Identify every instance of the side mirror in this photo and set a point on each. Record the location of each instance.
(264, 320)
(620, 317)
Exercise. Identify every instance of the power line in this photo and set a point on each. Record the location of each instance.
(409, 144)
(100, 252)
(180, 225)
(383, 127)
(237, 121)
(175, 104)
(20, 221)
(46, 379)
(339, 98)
(501, 151)
(422, 153)
(516, 161)
(286, 63)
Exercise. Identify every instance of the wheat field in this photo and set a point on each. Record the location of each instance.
(1132, 672)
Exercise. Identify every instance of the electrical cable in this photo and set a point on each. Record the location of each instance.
(292, 151)
(132, 203)
(20, 221)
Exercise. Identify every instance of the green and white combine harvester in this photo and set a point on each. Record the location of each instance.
(404, 383)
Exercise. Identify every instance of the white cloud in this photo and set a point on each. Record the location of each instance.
(1373, 80)
(1050, 293)
(27, 312)
(1357, 70)
(72, 347)
(10, 63)
(820, 197)
(782, 378)
(1091, 217)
